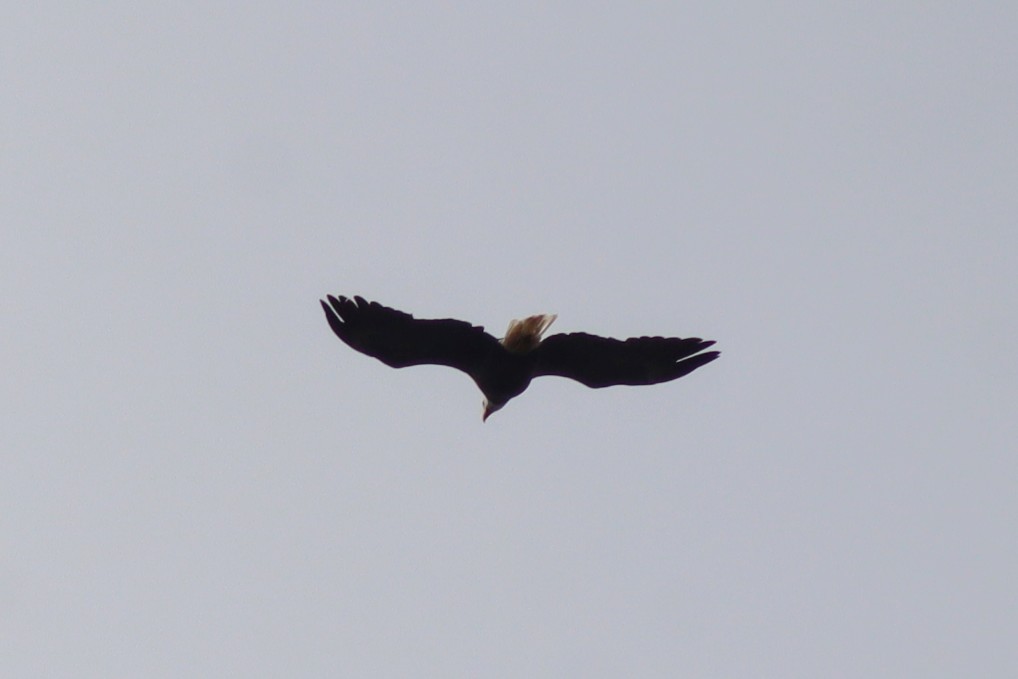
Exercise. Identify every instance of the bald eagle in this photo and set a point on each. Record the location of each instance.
(503, 369)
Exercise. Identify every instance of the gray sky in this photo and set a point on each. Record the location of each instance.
(198, 479)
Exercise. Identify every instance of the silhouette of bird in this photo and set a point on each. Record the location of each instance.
(503, 369)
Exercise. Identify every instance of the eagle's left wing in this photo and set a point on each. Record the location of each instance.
(398, 339)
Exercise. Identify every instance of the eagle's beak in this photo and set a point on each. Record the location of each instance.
(490, 408)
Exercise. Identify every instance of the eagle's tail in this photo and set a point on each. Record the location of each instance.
(523, 336)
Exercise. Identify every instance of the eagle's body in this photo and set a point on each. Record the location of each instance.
(503, 369)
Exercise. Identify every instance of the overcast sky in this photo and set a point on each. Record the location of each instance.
(199, 480)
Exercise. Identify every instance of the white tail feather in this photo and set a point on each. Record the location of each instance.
(524, 335)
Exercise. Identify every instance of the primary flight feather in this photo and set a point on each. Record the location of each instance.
(503, 369)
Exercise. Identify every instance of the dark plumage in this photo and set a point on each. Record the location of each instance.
(503, 369)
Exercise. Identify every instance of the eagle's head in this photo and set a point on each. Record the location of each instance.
(489, 408)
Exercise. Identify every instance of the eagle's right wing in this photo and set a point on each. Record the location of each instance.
(399, 340)
(604, 362)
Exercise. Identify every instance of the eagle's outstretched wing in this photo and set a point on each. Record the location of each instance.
(604, 362)
(399, 340)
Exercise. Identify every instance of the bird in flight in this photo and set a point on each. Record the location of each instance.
(503, 368)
